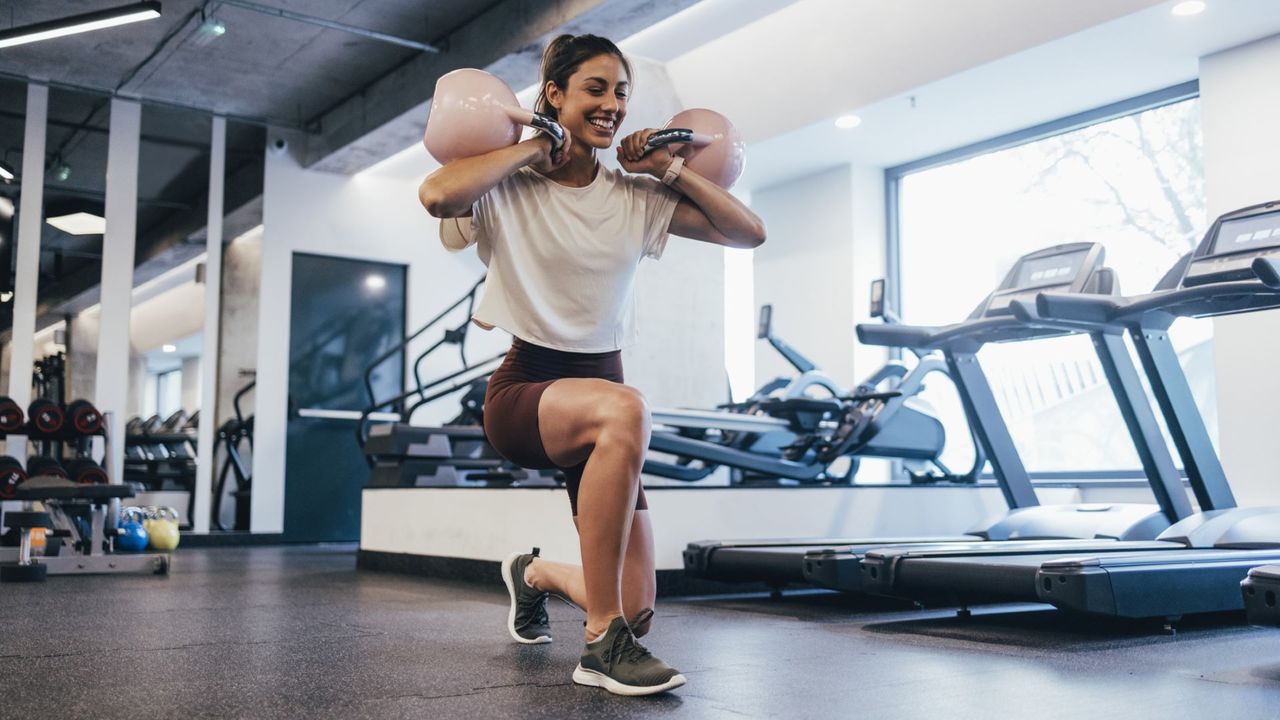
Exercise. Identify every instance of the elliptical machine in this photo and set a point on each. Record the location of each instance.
(807, 430)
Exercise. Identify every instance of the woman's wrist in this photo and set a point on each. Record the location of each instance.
(539, 149)
(672, 171)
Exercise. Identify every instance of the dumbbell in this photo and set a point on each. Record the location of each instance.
(45, 465)
(46, 415)
(84, 417)
(11, 416)
(473, 113)
(86, 471)
(11, 476)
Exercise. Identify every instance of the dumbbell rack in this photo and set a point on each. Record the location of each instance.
(64, 502)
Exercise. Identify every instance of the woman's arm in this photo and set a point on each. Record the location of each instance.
(451, 190)
(708, 212)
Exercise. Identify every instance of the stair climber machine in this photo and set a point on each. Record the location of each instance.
(1196, 565)
(453, 455)
(1075, 269)
(778, 436)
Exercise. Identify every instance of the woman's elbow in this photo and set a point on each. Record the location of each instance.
(435, 201)
(757, 236)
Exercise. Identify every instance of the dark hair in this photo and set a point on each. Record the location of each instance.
(564, 56)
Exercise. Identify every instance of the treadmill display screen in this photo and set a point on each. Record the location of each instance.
(1052, 270)
(1250, 233)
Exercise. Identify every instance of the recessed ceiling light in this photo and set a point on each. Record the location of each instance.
(1188, 8)
(79, 23)
(81, 223)
(6, 208)
(374, 281)
(211, 29)
(169, 348)
(848, 122)
(6, 172)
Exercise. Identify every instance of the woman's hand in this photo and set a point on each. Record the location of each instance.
(550, 159)
(634, 159)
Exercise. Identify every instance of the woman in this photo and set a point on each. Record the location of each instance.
(563, 236)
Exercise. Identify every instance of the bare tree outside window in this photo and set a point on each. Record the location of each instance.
(1134, 184)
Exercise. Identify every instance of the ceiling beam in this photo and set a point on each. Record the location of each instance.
(390, 114)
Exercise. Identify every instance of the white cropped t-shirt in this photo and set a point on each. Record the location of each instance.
(563, 260)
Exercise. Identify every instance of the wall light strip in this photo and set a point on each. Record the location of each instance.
(80, 23)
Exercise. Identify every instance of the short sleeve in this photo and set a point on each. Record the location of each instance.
(659, 203)
(457, 233)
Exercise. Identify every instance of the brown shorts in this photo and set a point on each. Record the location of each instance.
(511, 404)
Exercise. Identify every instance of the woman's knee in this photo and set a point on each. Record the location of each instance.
(624, 417)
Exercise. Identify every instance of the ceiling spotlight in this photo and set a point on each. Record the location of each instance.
(6, 172)
(6, 296)
(61, 172)
(211, 29)
(6, 208)
(79, 23)
(848, 122)
(1188, 8)
(374, 281)
(169, 348)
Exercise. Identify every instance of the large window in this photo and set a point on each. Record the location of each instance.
(1133, 183)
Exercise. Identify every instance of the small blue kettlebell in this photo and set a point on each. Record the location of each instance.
(133, 536)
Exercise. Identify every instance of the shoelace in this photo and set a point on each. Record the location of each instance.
(538, 616)
(626, 646)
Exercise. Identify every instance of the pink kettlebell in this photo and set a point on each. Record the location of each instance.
(710, 145)
(473, 113)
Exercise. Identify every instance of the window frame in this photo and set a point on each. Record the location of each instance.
(893, 238)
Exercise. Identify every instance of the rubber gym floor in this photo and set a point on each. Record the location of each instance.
(285, 632)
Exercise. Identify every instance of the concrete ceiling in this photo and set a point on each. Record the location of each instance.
(354, 99)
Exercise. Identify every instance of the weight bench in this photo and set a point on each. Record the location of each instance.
(80, 521)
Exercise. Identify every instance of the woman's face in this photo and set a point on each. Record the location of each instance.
(594, 101)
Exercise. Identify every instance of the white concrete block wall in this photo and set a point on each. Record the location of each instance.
(1240, 111)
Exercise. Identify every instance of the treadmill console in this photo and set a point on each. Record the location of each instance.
(1227, 252)
(1063, 268)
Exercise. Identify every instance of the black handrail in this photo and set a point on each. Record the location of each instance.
(457, 336)
(393, 350)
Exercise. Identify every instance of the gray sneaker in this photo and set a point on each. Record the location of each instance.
(527, 621)
(618, 663)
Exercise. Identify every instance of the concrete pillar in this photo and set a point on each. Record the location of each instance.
(209, 350)
(27, 267)
(118, 243)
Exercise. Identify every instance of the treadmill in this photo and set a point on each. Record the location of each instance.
(1261, 590)
(1197, 564)
(1073, 268)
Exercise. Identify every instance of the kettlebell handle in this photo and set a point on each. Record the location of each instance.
(670, 136)
(537, 121)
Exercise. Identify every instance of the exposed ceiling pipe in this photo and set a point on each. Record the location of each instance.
(331, 24)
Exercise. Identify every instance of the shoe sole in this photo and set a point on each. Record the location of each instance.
(511, 614)
(593, 678)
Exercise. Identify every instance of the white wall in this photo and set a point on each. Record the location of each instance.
(868, 258)
(1240, 111)
(804, 270)
(191, 385)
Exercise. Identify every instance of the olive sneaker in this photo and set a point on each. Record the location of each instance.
(527, 621)
(617, 662)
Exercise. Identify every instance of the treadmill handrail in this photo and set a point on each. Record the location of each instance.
(1109, 309)
(898, 336)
